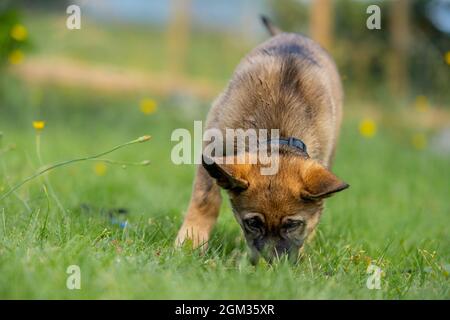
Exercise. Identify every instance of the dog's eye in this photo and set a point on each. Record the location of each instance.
(254, 223)
(293, 224)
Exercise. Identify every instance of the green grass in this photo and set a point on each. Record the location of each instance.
(138, 47)
(396, 213)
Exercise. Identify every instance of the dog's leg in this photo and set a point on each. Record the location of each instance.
(202, 212)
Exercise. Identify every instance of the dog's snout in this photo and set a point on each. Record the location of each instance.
(272, 248)
(281, 249)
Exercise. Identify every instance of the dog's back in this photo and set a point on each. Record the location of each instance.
(288, 83)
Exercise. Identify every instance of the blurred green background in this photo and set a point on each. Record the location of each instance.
(148, 67)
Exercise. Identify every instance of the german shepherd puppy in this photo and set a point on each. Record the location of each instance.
(291, 84)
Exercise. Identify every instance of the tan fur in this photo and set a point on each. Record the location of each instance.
(288, 83)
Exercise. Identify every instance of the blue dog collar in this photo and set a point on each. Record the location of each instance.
(291, 142)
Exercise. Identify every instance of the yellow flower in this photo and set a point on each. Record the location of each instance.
(100, 169)
(421, 103)
(419, 141)
(367, 128)
(19, 32)
(148, 106)
(447, 57)
(39, 125)
(16, 56)
(144, 138)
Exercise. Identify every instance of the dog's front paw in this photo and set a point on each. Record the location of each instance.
(193, 235)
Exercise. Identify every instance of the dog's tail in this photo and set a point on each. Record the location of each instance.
(273, 30)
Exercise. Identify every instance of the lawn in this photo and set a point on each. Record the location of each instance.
(395, 214)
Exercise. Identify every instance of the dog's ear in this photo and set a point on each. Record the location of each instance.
(224, 175)
(319, 182)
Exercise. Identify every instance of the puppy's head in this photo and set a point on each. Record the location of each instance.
(276, 212)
